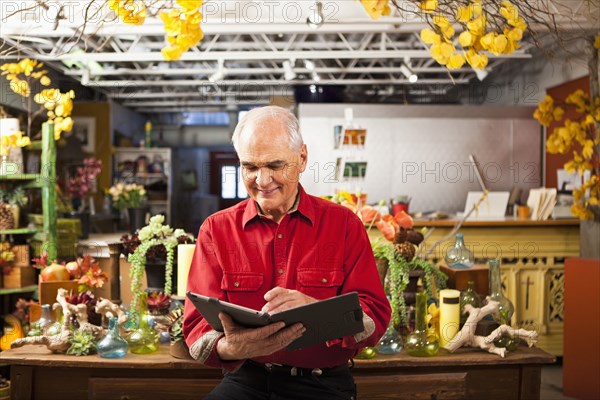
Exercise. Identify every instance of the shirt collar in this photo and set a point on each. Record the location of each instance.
(303, 205)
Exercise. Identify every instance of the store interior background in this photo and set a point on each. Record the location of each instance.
(431, 126)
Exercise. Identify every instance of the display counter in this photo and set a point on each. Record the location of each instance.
(532, 255)
(38, 374)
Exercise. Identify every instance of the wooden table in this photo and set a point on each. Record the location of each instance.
(467, 374)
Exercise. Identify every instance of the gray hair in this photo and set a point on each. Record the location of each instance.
(260, 114)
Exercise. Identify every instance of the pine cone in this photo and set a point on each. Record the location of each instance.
(6, 217)
(400, 236)
(406, 251)
(415, 237)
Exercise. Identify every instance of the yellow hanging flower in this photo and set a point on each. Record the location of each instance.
(376, 8)
(430, 37)
(16, 139)
(182, 28)
(456, 61)
(465, 39)
(428, 6)
(464, 14)
(130, 11)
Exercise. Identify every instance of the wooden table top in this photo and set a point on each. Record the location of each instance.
(38, 355)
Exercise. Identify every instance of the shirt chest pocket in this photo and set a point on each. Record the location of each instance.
(242, 281)
(320, 283)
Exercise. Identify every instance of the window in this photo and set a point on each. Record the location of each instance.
(232, 186)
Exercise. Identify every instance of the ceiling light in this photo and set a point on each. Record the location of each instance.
(85, 77)
(408, 73)
(288, 71)
(219, 74)
(313, 88)
(481, 73)
(316, 77)
(316, 18)
(309, 65)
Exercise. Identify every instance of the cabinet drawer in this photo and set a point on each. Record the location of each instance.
(149, 389)
(414, 386)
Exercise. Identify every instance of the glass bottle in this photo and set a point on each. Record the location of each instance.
(506, 309)
(421, 342)
(37, 327)
(56, 327)
(391, 342)
(144, 339)
(468, 296)
(366, 354)
(112, 345)
(459, 256)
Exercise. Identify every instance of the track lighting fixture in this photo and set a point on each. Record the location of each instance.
(316, 17)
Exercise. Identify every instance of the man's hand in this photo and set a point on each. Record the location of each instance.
(280, 299)
(241, 343)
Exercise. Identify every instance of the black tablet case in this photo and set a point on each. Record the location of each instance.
(324, 320)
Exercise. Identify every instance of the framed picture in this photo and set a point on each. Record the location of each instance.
(84, 129)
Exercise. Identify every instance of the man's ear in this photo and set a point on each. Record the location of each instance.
(303, 158)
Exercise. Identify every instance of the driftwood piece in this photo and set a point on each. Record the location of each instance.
(466, 336)
(60, 342)
(109, 309)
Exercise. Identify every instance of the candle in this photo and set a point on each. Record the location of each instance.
(449, 315)
(185, 254)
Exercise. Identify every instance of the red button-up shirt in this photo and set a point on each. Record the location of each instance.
(321, 249)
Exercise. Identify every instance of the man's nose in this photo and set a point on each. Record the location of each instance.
(264, 176)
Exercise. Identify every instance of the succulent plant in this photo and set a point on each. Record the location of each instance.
(159, 303)
(82, 344)
(176, 328)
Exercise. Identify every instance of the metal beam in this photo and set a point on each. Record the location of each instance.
(254, 83)
(258, 55)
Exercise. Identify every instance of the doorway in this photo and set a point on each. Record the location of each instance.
(226, 178)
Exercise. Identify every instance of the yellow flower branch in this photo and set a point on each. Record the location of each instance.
(21, 76)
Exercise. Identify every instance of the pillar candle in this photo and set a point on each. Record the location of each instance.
(449, 315)
(185, 254)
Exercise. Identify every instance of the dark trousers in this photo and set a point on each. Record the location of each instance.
(253, 382)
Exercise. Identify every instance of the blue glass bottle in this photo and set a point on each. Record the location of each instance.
(458, 256)
(112, 345)
(391, 342)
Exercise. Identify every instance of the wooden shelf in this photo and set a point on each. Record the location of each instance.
(20, 177)
(18, 231)
(26, 289)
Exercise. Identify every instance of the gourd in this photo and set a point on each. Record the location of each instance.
(12, 332)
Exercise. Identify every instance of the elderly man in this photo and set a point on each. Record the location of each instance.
(280, 249)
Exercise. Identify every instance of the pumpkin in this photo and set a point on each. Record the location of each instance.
(12, 331)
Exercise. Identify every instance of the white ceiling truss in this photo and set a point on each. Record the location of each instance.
(125, 63)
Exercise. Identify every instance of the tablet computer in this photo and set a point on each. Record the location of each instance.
(324, 320)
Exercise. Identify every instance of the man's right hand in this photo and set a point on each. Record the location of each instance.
(241, 343)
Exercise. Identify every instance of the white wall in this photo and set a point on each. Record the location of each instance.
(422, 151)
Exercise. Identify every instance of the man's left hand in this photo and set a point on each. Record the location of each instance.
(280, 299)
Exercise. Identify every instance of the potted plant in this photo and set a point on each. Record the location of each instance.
(133, 198)
(13, 200)
(152, 250)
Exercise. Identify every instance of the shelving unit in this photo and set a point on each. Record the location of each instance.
(128, 169)
(46, 181)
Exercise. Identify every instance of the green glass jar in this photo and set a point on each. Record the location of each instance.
(421, 342)
(506, 309)
(468, 296)
(144, 339)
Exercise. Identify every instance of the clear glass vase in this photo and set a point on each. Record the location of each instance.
(459, 256)
(506, 309)
(391, 342)
(144, 339)
(112, 345)
(421, 342)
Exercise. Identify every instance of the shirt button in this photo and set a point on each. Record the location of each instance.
(279, 235)
(324, 280)
(236, 284)
(280, 271)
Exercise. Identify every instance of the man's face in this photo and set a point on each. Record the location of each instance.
(270, 169)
